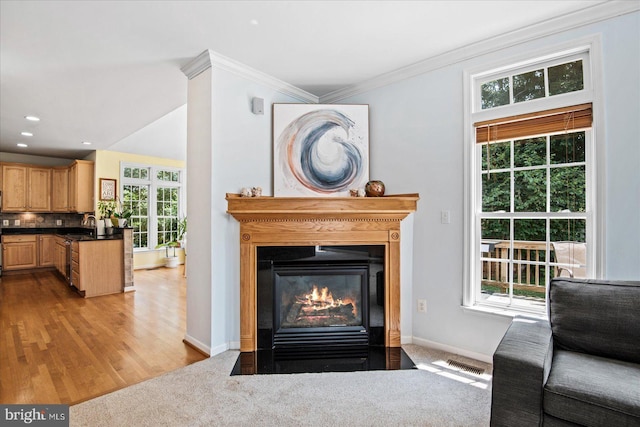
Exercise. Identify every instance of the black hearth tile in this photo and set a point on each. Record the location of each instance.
(264, 362)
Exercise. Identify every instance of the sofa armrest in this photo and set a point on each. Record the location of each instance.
(521, 365)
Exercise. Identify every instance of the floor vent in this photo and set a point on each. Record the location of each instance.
(464, 367)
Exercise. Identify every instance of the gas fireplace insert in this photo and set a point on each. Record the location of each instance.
(320, 300)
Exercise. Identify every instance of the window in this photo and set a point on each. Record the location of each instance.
(154, 196)
(531, 180)
(536, 81)
(136, 199)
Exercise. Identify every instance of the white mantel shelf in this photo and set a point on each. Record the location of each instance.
(311, 221)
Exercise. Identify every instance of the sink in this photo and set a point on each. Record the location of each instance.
(79, 237)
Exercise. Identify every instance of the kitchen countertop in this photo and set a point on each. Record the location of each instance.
(45, 230)
(89, 238)
(70, 233)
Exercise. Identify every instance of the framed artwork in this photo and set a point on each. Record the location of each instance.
(107, 189)
(320, 149)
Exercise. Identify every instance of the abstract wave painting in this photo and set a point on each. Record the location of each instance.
(320, 150)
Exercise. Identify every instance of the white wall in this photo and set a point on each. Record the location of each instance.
(417, 146)
(199, 182)
(622, 109)
(165, 137)
(240, 156)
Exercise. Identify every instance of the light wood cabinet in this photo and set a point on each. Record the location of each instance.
(97, 267)
(25, 251)
(19, 252)
(60, 258)
(46, 250)
(14, 188)
(28, 188)
(81, 186)
(39, 189)
(60, 189)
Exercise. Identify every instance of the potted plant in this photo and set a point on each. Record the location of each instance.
(123, 217)
(106, 209)
(171, 261)
(120, 215)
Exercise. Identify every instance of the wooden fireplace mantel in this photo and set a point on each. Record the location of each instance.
(300, 221)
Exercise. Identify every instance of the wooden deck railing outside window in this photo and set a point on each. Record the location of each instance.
(529, 265)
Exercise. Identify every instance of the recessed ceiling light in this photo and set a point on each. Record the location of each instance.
(26, 134)
(254, 22)
(20, 144)
(86, 143)
(32, 118)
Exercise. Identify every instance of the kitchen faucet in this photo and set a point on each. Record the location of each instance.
(93, 223)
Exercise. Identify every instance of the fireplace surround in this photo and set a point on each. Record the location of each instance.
(315, 222)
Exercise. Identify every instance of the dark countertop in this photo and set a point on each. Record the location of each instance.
(70, 233)
(89, 238)
(45, 230)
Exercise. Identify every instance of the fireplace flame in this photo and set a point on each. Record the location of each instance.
(323, 299)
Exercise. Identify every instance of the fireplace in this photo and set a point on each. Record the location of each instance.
(309, 222)
(320, 299)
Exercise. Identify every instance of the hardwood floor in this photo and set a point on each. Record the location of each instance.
(56, 347)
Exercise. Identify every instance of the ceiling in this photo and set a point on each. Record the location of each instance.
(100, 71)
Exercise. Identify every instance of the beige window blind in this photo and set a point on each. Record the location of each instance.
(555, 120)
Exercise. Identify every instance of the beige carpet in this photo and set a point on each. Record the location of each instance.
(205, 394)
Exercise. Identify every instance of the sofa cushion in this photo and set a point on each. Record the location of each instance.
(602, 318)
(593, 391)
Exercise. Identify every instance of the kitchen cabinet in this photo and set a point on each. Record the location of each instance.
(60, 257)
(14, 188)
(25, 251)
(60, 189)
(26, 188)
(39, 189)
(81, 186)
(97, 267)
(19, 252)
(46, 250)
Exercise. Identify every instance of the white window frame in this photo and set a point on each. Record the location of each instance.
(589, 50)
(153, 182)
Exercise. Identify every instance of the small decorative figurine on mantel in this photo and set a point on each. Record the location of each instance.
(251, 192)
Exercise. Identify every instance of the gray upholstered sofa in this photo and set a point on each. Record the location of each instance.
(582, 367)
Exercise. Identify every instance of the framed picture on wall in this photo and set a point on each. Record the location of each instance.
(108, 189)
(320, 149)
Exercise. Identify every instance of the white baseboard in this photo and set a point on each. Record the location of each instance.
(219, 349)
(199, 345)
(451, 349)
(406, 339)
(234, 345)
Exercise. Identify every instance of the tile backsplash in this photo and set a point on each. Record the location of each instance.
(40, 220)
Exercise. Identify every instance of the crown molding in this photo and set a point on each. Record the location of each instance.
(599, 12)
(197, 65)
(211, 59)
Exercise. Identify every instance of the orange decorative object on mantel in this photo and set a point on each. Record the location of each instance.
(311, 221)
(374, 189)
